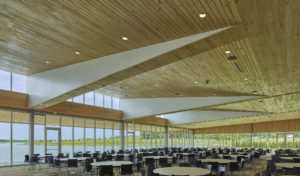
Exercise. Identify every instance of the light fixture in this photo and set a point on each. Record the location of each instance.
(214, 94)
(196, 82)
(124, 38)
(202, 15)
(227, 52)
(77, 52)
(246, 79)
(155, 85)
(47, 62)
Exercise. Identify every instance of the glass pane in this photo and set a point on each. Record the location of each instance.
(78, 99)
(39, 145)
(66, 140)
(89, 135)
(116, 103)
(98, 100)
(19, 83)
(20, 142)
(4, 144)
(289, 140)
(89, 98)
(108, 139)
(52, 121)
(107, 101)
(52, 142)
(78, 139)
(5, 80)
(99, 139)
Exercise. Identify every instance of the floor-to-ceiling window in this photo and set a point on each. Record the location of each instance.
(78, 135)
(66, 135)
(108, 135)
(39, 134)
(117, 140)
(20, 137)
(99, 135)
(5, 137)
(89, 135)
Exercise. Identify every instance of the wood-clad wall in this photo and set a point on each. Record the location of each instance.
(277, 126)
(14, 100)
(244, 128)
(273, 126)
(151, 121)
(77, 109)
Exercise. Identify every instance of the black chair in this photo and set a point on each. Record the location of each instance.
(50, 161)
(198, 163)
(149, 161)
(26, 160)
(150, 170)
(126, 169)
(163, 161)
(233, 166)
(166, 165)
(214, 166)
(120, 158)
(72, 163)
(226, 157)
(109, 157)
(34, 160)
(105, 170)
(87, 167)
(137, 164)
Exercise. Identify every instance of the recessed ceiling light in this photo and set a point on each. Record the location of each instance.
(202, 15)
(124, 38)
(47, 62)
(196, 82)
(214, 94)
(246, 79)
(77, 52)
(227, 52)
(155, 85)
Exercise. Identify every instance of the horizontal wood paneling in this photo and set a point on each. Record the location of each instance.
(16, 100)
(151, 121)
(273, 126)
(244, 128)
(77, 109)
(277, 126)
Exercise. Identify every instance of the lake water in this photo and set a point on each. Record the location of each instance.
(21, 150)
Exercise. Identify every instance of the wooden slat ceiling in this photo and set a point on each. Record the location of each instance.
(33, 32)
(266, 44)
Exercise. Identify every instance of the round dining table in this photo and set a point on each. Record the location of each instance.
(220, 161)
(287, 165)
(157, 157)
(113, 163)
(191, 171)
(234, 156)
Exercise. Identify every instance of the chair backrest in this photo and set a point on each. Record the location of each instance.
(197, 163)
(26, 160)
(34, 159)
(126, 169)
(50, 160)
(72, 163)
(109, 157)
(163, 160)
(149, 161)
(233, 166)
(214, 165)
(151, 167)
(56, 163)
(106, 170)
